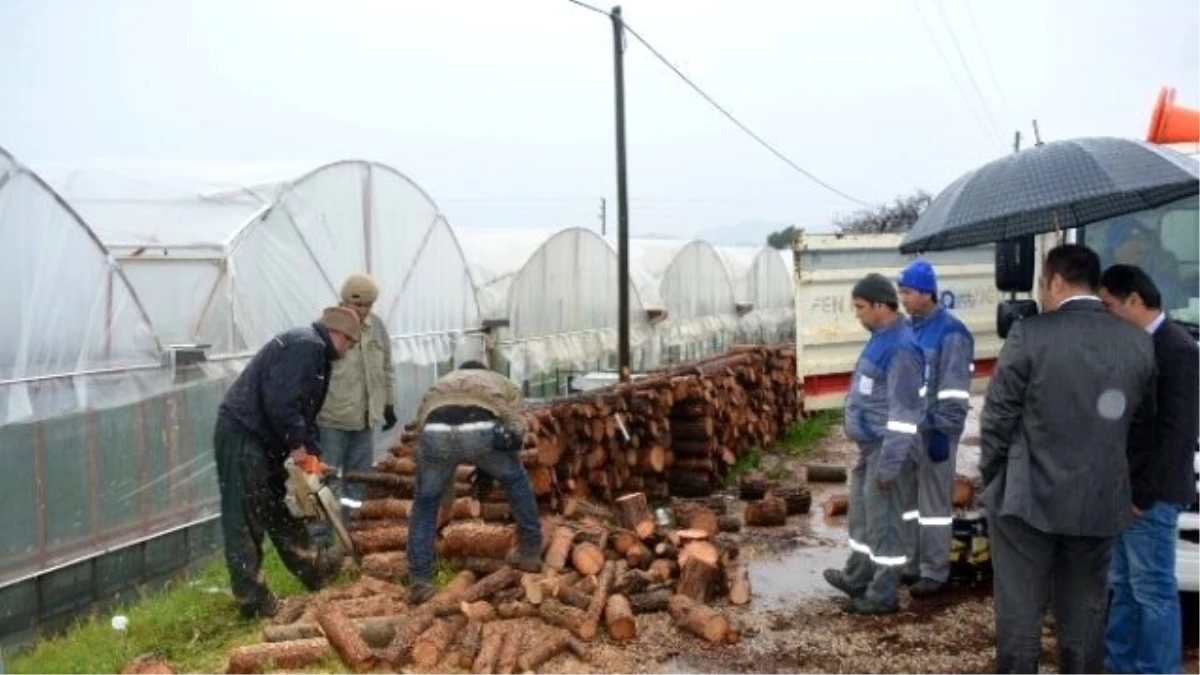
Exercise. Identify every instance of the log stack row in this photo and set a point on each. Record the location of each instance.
(602, 569)
(675, 431)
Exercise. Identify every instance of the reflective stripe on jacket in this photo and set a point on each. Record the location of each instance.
(884, 405)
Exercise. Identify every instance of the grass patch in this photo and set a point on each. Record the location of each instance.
(803, 435)
(193, 624)
(747, 461)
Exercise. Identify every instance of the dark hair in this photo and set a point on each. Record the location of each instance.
(472, 365)
(1122, 281)
(1077, 265)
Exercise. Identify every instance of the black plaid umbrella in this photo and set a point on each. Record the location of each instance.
(1056, 186)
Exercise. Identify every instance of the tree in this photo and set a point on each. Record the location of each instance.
(783, 239)
(899, 216)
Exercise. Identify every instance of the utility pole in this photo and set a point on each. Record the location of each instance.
(622, 199)
(1017, 141)
(1037, 134)
(603, 216)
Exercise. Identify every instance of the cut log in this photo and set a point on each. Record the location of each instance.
(798, 499)
(516, 610)
(480, 611)
(737, 581)
(387, 566)
(752, 486)
(573, 596)
(837, 505)
(662, 570)
(824, 473)
(634, 514)
(560, 548)
(468, 647)
(344, 638)
(510, 650)
(698, 619)
(685, 537)
(292, 609)
(466, 508)
(729, 523)
(704, 550)
(651, 601)
(376, 631)
(386, 539)
(480, 566)
(429, 647)
(633, 581)
(555, 613)
(701, 518)
(623, 540)
(618, 618)
(374, 605)
(293, 655)
(388, 508)
(399, 650)
(766, 512)
(489, 585)
(580, 508)
(546, 647)
(489, 650)
(696, 578)
(495, 512)
(580, 649)
(587, 557)
(639, 556)
(484, 540)
(595, 610)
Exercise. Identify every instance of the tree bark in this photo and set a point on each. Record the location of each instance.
(618, 618)
(698, 619)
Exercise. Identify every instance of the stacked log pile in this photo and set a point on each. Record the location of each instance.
(675, 431)
(602, 569)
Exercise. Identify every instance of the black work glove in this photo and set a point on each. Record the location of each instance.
(389, 417)
(939, 447)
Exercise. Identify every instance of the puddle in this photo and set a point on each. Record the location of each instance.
(786, 579)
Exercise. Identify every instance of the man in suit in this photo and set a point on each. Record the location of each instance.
(1144, 631)
(1069, 385)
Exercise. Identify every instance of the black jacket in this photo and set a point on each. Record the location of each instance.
(278, 395)
(1161, 459)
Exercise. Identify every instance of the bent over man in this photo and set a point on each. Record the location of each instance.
(949, 349)
(883, 410)
(470, 416)
(268, 415)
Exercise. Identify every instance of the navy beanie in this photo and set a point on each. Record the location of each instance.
(920, 277)
(876, 288)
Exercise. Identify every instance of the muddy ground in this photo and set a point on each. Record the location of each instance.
(794, 622)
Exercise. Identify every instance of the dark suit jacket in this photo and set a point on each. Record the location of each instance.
(1161, 461)
(1056, 423)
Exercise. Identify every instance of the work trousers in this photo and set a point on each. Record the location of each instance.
(252, 491)
(877, 550)
(929, 512)
(1027, 563)
(440, 450)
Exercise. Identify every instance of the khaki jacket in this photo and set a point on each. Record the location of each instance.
(362, 383)
(483, 388)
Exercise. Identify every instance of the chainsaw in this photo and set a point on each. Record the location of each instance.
(309, 497)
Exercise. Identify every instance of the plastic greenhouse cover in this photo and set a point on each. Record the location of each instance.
(74, 312)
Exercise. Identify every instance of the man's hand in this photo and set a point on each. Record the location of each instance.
(389, 417)
(299, 455)
(309, 463)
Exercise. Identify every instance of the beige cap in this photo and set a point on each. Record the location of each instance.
(359, 288)
(343, 321)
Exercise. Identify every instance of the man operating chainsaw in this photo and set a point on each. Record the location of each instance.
(470, 416)
(267, 418)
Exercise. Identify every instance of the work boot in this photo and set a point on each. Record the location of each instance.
(835, 578)
(526, 562)
(926, 587)
(419, 592)
(866, 606)
(909, 579)
(262, 607)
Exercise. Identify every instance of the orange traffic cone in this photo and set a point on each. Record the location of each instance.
(1170, 123)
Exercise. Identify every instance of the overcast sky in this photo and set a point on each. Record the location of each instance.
(503, 111)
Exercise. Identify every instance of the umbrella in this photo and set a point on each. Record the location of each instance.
(1056, 186)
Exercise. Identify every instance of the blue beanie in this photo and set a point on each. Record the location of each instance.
(919, 276)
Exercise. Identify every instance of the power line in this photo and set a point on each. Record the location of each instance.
(963, 60)
(721, 109)
(953, 76)
(987, 61)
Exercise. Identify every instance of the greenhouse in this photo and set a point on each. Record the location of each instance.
(553, 295)
(688, 283)
(225, 256)
(765, 293)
